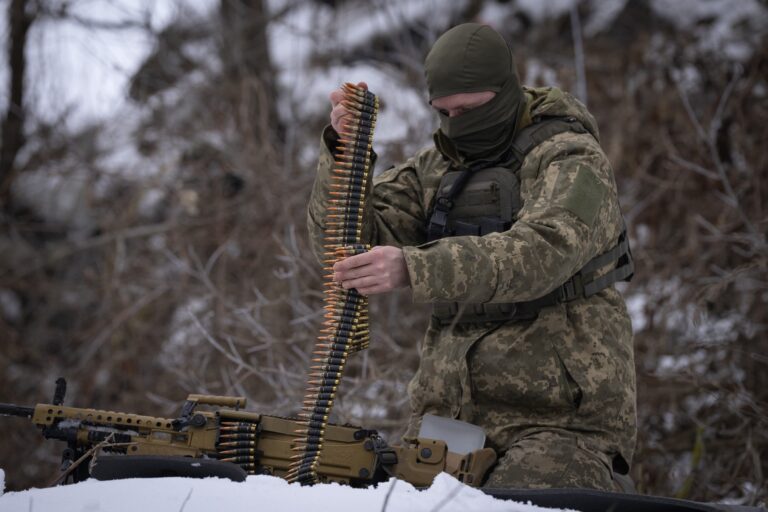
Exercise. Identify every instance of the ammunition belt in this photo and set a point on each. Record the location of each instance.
(237, 443)
(346, 319)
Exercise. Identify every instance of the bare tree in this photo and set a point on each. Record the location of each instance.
(21, 14)
(245, 53)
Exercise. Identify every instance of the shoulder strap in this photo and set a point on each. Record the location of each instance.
(624, 270)
(443, 205)
(541, 129)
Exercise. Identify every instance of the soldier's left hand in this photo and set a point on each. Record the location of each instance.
(380, 270)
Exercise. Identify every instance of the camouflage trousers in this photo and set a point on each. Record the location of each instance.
(551, 459)
(555, 395)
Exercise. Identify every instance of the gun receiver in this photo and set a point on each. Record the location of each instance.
(230, 442)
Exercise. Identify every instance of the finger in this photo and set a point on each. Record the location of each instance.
(355, 261)
(336, 96)
(362, 85)
(337, 117)
(355, 273)
(339, 111)
(364, 282)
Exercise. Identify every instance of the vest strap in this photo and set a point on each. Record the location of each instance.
(541, 129)
(581, 285)
(443, 205)
(436, 228)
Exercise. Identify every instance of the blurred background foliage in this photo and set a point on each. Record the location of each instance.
(161, 250)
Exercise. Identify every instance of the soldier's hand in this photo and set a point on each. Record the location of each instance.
(380, 270)
(338, 112)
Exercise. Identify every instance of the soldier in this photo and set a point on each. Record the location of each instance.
(510, 226)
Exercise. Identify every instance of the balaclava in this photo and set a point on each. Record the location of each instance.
(474, 58)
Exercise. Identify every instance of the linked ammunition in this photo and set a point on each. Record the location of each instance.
(238, 444)
(345, 325)
(239, 451)
(238, 459)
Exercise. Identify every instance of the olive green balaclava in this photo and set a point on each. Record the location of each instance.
(474, 58)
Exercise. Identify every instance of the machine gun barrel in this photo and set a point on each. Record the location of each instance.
(16, 410)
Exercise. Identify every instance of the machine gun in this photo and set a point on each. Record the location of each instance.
(229, 442)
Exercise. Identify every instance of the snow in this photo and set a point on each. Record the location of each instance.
(673, 365)
(539, 11)
(603, 16)
(355, 26)
(60, 196)
(257, 492)
(185, 333)
(538, 74)
(83, 71)
(10, 306)
(398, 111)
(294, 40)
(718, 24)
(636, 307)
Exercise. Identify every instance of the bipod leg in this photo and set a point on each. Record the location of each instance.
(74, 466)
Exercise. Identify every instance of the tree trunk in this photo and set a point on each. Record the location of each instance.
(245, 54)
(12, 138)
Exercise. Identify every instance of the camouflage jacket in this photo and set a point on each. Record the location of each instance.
(572, 368)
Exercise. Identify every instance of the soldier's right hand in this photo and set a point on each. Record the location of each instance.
(338, 112)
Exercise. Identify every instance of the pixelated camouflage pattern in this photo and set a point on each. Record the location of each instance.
(552, 459)
(571, 368)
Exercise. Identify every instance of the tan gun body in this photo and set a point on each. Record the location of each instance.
(350, 455)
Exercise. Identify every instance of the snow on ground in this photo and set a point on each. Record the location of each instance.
(256, 493)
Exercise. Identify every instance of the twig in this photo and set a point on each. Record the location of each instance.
(237, 360)
(578, 54)
(63, 13)
(691, 166)
(451, 495)
(60, 478)
(123, 234)
(121, 318)
(717, 119)
(696, 455)
(757, 465)
(709, 138)
(389, 493)
(186, 499)
(688, 108)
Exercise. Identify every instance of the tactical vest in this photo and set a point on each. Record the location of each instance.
(481, 199)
